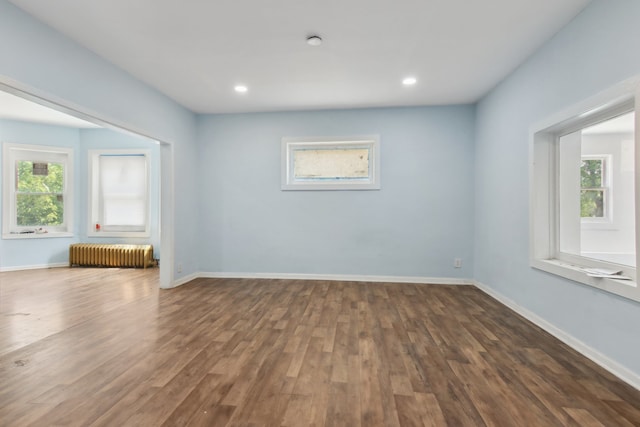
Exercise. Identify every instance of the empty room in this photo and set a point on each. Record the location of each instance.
(339, 213)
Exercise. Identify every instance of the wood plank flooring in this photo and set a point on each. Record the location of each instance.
(105, 347)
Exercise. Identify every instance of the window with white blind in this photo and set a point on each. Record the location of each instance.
(119, 193)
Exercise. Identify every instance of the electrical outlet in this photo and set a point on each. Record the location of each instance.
(457, 263)
(179, 267)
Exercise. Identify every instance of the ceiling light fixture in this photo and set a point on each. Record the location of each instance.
(409, 81)
(314, 41)
(241, 88)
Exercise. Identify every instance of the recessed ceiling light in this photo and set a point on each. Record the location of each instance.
(409, 81)
(241, 88)
(314, 41)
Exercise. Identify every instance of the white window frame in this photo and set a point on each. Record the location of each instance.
(544, 203)
(94, 204)
(11, 153)
(289, 145)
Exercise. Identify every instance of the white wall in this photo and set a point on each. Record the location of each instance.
(595, 51)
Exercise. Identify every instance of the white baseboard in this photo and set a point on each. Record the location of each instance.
(186, 279)
(620, 371)
(34, 267)
(337, 277)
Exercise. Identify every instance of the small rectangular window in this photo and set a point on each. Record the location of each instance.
(37, 198)
(345, 164)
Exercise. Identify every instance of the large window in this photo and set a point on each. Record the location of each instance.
(37, 196)
(335, 164)
(583, 205)
(119, 193)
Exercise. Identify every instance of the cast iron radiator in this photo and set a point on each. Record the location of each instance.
(110, 255)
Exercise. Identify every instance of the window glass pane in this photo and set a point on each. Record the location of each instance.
(597, 191)
(52, 182)
(592, 203)
(39, 209)
(331, 164)
(591, 173)
(39, 200)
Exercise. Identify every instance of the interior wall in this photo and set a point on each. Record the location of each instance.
(38, 59)
(595, 51)
(415, 225)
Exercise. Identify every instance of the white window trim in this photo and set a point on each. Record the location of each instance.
(92, 205)
(543, 203)
(290, 144)
(46, 154)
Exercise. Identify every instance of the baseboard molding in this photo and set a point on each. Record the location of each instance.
(337, 277)
(186, 279)
(620, 371)
(34, 267)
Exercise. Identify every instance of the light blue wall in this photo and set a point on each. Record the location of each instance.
(91, 139)
(597, 50)
(415, 225)
(41, 251)
(40, 59)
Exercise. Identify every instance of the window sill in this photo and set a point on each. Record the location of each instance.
(624, 288)
(49, 235)
(605, 225)
(329, 186)
(130, 234)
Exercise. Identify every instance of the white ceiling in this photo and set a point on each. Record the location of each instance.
(196, 51)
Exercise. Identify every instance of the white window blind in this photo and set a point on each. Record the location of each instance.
(119, 193)
(123, 187)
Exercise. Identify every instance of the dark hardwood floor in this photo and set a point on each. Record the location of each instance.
(105, 347)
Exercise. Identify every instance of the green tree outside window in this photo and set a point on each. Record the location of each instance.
(39, 198)
(592, 189)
